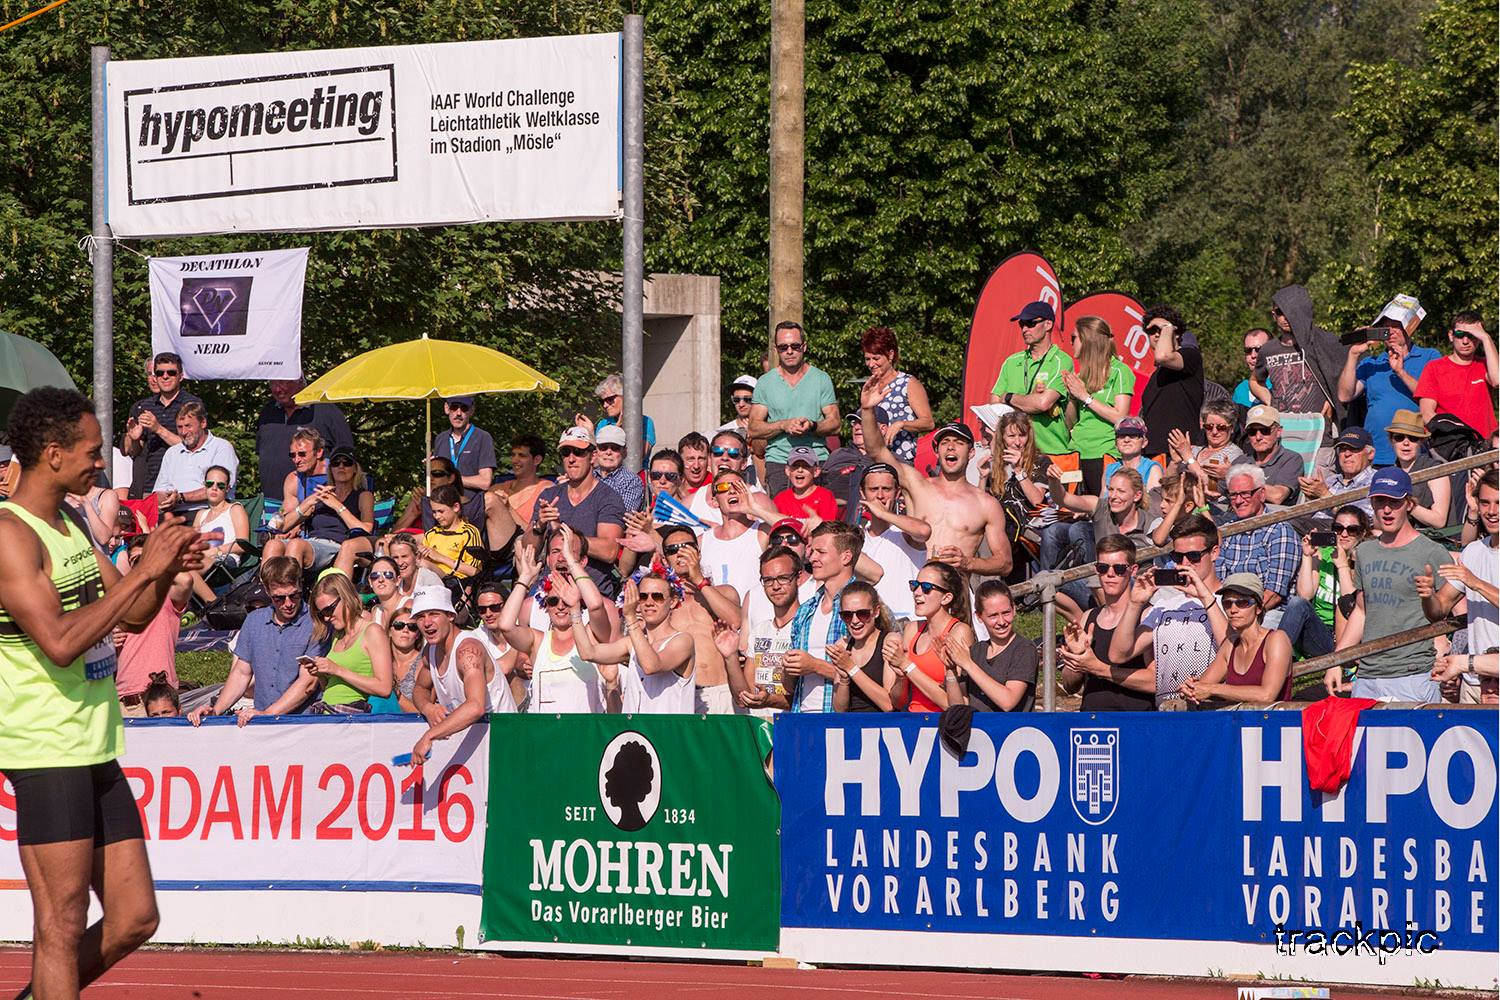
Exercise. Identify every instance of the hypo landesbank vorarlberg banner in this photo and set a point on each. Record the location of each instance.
(410, 135)
(1196, 827)
(643, 831)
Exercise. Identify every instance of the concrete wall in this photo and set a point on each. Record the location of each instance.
(681, 355)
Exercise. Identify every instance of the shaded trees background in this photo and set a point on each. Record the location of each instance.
(1202, 152)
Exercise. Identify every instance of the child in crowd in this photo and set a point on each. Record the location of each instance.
(161, 698)
(1130, 443)
(444, 546)
(802, 496)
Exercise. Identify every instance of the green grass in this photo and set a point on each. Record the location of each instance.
(200, 669)
(1028, 625)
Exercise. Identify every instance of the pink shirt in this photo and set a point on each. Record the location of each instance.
(149, 651)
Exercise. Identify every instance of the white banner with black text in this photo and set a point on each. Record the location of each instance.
(412, 135)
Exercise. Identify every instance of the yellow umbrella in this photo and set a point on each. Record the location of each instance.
(425, 369)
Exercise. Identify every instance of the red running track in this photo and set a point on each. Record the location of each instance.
(225, 974)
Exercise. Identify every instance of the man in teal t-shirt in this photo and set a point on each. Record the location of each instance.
(793, 406)
(1031, 380)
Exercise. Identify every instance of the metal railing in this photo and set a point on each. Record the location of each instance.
(1048, 582)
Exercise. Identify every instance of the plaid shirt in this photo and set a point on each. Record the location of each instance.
(628, 485)
(802, 632)
(1272, 552)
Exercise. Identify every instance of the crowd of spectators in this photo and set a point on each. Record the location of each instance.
(802, 557)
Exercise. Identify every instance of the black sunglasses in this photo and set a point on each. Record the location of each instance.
(786, 538)
(342, 463)
(327, 609)
(676, 547)
(573, 452)
(284, 598)
(167, 372)
(1346, 529)
(485, 608)
(741, 399)
(551, 601)
(610, 398)
(1192, 555)
(1112, 569)
(440, 473)
(215, 484)
(1240, 602)
(403, 626)
(670, 477)
(927, 587)
(790, 347)
(857, 614)
(1027, 324)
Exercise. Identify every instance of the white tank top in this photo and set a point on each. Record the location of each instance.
(566, 684)
(664, 693)
(448, 685)
(225, 520)
(734, 561)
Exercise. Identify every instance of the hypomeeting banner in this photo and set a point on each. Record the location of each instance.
(643, 831)
(1113, 833)
(415, 135)
(232, 315)
(300, 804)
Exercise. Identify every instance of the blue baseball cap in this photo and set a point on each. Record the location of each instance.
(467, 402)
(1034, 310)
(1354, 437)
(1392, 483)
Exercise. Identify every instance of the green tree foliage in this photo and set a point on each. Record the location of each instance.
(941, 136)
(1271, 187)
(1428, 137)
(364, 289)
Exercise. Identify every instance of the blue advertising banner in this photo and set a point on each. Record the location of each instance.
(1188, 827)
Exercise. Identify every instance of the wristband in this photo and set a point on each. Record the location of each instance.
(1007, 397)
(852, 671)
(910, 666)
(1022, 474)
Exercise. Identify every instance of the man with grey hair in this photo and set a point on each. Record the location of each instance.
(611, 396)
(1273, 553)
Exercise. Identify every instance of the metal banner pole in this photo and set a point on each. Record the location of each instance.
(103, 257)
(633, 290)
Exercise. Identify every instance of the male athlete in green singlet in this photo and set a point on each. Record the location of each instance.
(60, 729)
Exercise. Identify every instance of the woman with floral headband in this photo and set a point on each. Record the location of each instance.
(659, 659)
(562, 679)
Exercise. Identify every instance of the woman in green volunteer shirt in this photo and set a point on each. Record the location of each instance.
(60, 731)
(1100, 392)
(1326, 576)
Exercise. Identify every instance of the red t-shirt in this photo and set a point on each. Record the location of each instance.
(1460, 391)
(821, 500)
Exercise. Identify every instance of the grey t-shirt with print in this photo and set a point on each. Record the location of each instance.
(1387, 575)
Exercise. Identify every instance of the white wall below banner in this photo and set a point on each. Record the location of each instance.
(1196, 959)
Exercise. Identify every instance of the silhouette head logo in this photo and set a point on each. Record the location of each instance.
(629, 781)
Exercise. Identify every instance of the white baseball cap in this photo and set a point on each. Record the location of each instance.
(611, 434)
(432, 599)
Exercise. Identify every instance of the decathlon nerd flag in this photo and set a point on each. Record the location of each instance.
(645, 831)
(230, 316)
(413, 135)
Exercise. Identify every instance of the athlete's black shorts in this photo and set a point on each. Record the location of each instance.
(55, 804)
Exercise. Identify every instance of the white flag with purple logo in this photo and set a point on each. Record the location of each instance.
(230, 315)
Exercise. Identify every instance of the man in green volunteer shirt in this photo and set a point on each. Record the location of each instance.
(793, 406)
(1031, 380)
(60, 728)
